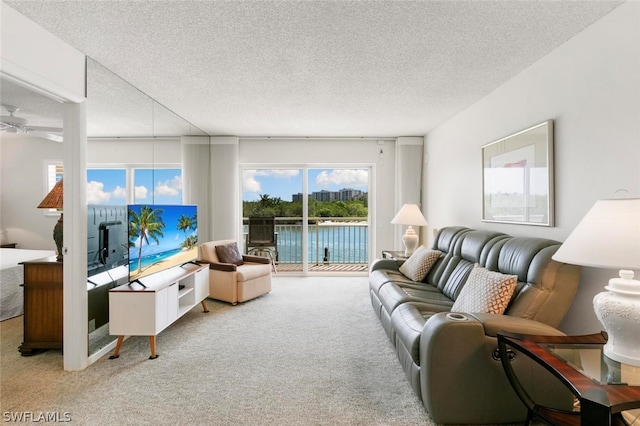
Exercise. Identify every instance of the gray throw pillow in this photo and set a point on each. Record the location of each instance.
(229, 253)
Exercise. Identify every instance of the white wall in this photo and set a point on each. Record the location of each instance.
(590, 87)
(140, 151)
(32, 55)
(22, 188)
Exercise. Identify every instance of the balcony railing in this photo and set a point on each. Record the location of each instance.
(331, 243)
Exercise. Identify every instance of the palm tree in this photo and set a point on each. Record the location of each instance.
(194, 227)
(147, 224)
(185, 223)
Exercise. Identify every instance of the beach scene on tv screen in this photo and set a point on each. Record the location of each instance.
(161, 237)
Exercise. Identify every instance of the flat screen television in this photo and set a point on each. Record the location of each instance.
(161, 237)
(107, 238)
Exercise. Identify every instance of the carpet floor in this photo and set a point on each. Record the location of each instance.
(311, 352)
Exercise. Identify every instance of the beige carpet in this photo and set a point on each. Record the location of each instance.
(312, 352)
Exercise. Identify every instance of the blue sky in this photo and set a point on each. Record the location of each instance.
(283, 183)
(164, 186)
(159, 186)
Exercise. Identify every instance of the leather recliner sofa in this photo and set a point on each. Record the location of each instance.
(451, 359)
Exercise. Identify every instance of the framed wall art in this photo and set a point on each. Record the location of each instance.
(517, 177)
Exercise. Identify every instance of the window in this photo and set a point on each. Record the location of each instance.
(107, 186)
(53, 174)
(130, 185)
(157, 186)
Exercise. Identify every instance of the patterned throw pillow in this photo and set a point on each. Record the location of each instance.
(417, 266)
(485, 292)
(229, 253)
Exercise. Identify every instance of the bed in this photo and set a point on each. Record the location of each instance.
(11, 278)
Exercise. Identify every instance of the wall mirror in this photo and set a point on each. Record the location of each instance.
(133, 147)
(517, 177)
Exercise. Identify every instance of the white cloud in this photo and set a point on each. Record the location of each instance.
(96, 193)
(343, 178)
(141, 192)
(170, 187)
(119, 192)
(249, 182)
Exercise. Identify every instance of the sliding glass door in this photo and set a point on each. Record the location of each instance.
(321, 216)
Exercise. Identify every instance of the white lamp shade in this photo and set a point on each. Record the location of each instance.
(409, 214)
(607, 237)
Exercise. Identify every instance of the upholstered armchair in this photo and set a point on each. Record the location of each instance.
(234, 277)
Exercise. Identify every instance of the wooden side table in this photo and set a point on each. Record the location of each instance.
(42, 317)
(603, 394)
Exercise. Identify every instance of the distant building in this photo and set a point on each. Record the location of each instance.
(325, 195)
(345, 194)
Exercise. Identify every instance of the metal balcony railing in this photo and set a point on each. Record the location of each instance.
(330, 241)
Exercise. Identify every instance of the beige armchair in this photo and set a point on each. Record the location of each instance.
(235, 280)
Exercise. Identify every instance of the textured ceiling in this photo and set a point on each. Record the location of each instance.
(315, 68)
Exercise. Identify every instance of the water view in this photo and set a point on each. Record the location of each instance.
(347, 243)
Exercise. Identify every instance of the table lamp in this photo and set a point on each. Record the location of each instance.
(609, 237)
(409, 214)
(53, 200)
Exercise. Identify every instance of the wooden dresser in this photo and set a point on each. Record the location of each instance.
(42, 305)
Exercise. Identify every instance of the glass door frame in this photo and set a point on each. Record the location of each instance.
(304, 169)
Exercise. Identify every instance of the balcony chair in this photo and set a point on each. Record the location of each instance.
(262, 239)
(234, 277)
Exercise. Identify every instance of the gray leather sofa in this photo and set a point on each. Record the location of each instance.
(450, 358)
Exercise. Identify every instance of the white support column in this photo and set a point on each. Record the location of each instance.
(196, 180)
(225, 198)
(75, 325)
(36, 59)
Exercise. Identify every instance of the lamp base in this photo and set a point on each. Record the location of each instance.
(619, 312)
(57, 237)
(410, 241)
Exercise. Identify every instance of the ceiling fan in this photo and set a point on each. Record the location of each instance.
(12, 124)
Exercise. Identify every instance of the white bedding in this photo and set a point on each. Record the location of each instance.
(11, 276)
(10, 257)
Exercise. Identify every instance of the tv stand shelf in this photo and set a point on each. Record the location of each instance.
(149, 305)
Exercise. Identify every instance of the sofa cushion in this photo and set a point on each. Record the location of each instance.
(485, 292)
(381, 277)
(251, 271)
(420, 262)
(229, 253)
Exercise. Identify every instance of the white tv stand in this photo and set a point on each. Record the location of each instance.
(148, 306)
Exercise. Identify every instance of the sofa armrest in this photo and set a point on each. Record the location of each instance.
(256, 259)
(458, 348)
(225, 267)
(384, 264)
(492, 324)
